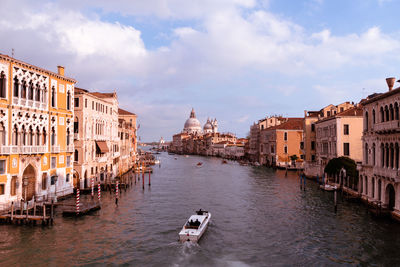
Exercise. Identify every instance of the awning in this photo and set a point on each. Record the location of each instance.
(102, 145)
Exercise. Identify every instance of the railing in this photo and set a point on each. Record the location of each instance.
(386, 126)
(70, 148)
(23, 149)
(55, 149)
(387, 172)
(29, 103)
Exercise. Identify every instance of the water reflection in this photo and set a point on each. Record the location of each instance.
(260, 217)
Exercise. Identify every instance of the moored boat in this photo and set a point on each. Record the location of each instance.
(327, 187)
(199, 164)
(195, 227)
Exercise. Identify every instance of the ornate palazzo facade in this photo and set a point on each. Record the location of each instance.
(36, 126)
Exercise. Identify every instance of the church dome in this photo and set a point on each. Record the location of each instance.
(192, 125)
(207, 126)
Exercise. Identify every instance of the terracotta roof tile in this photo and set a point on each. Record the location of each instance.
(125, 112)
(290, 124)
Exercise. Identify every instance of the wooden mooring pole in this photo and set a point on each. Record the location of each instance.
(335, 200)
(149, 179)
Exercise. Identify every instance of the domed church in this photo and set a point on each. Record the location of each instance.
(193, 126)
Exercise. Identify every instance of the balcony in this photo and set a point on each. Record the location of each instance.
(101, 159)
(386, 127)
(28, 103)
(6, 150)
(70, 148)
(387, 172)
(55, 149)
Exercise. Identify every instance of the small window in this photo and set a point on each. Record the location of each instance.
(92, 105)
(2, 189)
(328, 113)
(285, 149)
(302, 156)
(13, 185)
(301, 145)
(67, 178)
(68, 161)
(53, 180)
(285, 136)
(313, 157)
(53, 162)
(2, 166)
(76, 102)
(346, 129)
(85, 103)
(313, 127)
(44, 181)
(91, 170)
(341, 109)
(312, 145)
(346, 149)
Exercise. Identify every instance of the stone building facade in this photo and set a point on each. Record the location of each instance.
(36, 125)
(127, 140)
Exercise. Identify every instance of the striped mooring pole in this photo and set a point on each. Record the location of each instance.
(99, 192)
(77, 201)
(116, 192)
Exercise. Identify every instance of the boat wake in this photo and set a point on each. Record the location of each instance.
(188, 252)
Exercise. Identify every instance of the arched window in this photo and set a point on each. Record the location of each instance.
(396, 111)
(2, 85)
(387, 156)
(53, 97)
(23, 91)
(15, 136)
(386, 113)
(391, 111)
(67, 178)
(68, 100)
(44, 181)
(16, 87)
(373, 187)
(68, 137)
(366, 185)
(30, 91)
(382, 114)
(37, 141)
(2, 134)
(30, 136)
(37, 93)
(44, 137)
(391, 156)
(373, 117)
(366, 121)
(396, 156)
(366, 154)
(53, 137)
(373, 154)
(76, 156)
(23, 136)
(382, 155)
(379, 189)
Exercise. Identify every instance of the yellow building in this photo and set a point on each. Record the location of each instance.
(36, 126)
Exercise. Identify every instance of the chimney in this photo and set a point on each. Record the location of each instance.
(60, 70)
(390, 82)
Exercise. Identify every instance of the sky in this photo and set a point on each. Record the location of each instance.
(235, 60)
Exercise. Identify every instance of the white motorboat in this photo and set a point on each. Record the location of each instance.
(328, 187)
(195, 227)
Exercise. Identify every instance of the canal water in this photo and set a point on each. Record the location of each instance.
(259, 218)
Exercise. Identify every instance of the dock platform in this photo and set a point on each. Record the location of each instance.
(84, 208)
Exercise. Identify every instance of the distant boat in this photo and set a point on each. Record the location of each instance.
(175, 158)
(224, 162)
(195, 227)
(328, 187)
(199, 164)
(186, 156)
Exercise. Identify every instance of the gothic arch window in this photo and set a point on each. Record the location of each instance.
(386, 113)
(396, 111)
(396, 156)
(366, 121)
(366, 154)
(53, 97)
(30, 91)
(37, 141)
(23, 136)
(382, 114)
(382, 155)
(373, 154)
(30, 136)
(76, 156)
(68, 137)
(2, 85)
(16, 87)
(68, 100)
(53, 137)
(2, 134)
(37, 93)
(23, 91)
(391, 110)
(44, 137)
(15, 136)
(373, 116)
